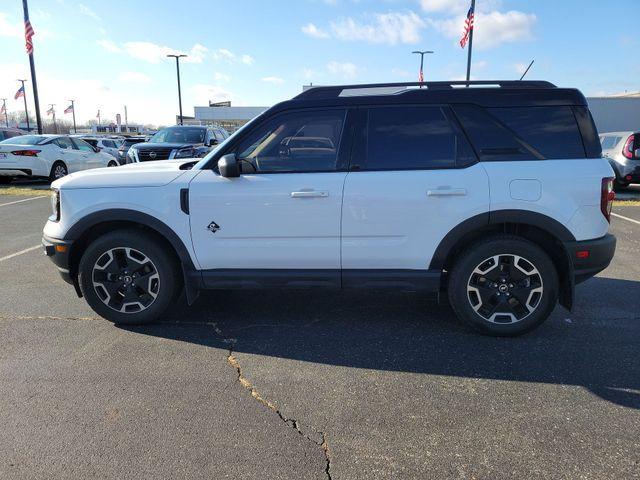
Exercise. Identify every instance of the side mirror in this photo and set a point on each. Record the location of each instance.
(96, 149)
(213, 142)
(228, 166)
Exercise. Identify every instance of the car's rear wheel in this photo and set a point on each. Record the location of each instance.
(58, 170)
(112, 163)
(503, 286)
(128, 277)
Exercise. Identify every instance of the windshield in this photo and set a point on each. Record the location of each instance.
(223, 145)
(179, 135)
(25, 140)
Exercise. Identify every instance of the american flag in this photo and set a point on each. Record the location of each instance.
(3, 109)
(19, 93)
(28, 34)
(420, 75)
(468, 27)
(51, 111)
(69, 109)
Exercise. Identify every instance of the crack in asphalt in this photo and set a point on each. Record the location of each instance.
(232, 360)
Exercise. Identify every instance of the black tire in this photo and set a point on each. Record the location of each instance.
(112, 163)
(484, 294)
(58, 170)
(101, 274)
(5, 180)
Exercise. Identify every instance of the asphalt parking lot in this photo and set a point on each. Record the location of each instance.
(312, 385)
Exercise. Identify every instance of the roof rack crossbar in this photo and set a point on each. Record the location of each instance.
(336, 90)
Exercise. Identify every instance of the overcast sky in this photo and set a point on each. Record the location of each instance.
(105, 54)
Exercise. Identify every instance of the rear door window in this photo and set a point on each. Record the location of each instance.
(413, 138)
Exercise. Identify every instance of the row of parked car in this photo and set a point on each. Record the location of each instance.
(25, 155)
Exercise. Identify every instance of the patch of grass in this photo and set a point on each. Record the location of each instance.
(626, 203)
(25, 191)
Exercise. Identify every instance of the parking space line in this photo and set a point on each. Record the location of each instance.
(26, 250)
(23, 200)
(625, 218)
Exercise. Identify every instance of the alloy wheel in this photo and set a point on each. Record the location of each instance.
(59, 171)
(505, 288)
(126, 280)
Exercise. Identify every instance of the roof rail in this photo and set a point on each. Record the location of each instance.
(338, 90)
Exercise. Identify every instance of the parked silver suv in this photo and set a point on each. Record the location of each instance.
(622, 149)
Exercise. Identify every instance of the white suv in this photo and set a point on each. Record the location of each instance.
(460, 191)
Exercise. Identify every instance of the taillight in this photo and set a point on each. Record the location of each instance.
(627, 150)
(26, 153)
(607, 196)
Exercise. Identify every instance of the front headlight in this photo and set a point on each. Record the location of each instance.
(184, 153)
(55, 205)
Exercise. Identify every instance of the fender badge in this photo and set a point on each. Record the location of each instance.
(213, 227)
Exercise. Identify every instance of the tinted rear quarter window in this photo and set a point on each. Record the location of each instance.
(523, 133)
(552, 131)
(412, 138)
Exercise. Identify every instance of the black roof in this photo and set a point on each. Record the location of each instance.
(486, 93)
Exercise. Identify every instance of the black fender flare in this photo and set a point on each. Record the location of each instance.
(146, 220)
(523, 217)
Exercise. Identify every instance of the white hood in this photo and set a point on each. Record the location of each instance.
(144, 174)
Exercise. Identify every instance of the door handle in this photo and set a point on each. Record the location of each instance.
(309, 194)
(447, 192)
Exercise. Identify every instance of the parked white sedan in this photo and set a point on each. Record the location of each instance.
(48, 156)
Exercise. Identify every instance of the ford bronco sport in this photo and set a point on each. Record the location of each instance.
(449, 187)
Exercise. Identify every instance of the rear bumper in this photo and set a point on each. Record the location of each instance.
(14, 172)
(26, 166)
(590, 257)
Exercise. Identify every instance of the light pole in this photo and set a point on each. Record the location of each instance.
(4, 109)
(422, 53)
(178, 57)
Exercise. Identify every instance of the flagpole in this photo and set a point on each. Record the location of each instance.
(53, 112)
(33, 75)
(473, 9)
(6, 116)
(73, 110)
(26, 112)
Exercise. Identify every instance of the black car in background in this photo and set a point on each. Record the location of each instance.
(180, 141)
(124, 147)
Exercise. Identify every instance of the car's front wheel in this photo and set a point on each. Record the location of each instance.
(503, 286)
(128, 277)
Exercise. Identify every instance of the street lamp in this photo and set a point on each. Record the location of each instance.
(178, 57)
(422, 54)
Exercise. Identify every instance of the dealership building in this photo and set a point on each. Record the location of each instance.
(223, 114)
(616, 113)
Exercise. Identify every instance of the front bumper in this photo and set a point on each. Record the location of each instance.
(590, 257)
(59, 253)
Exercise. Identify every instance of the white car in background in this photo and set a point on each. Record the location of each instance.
(48, 156)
